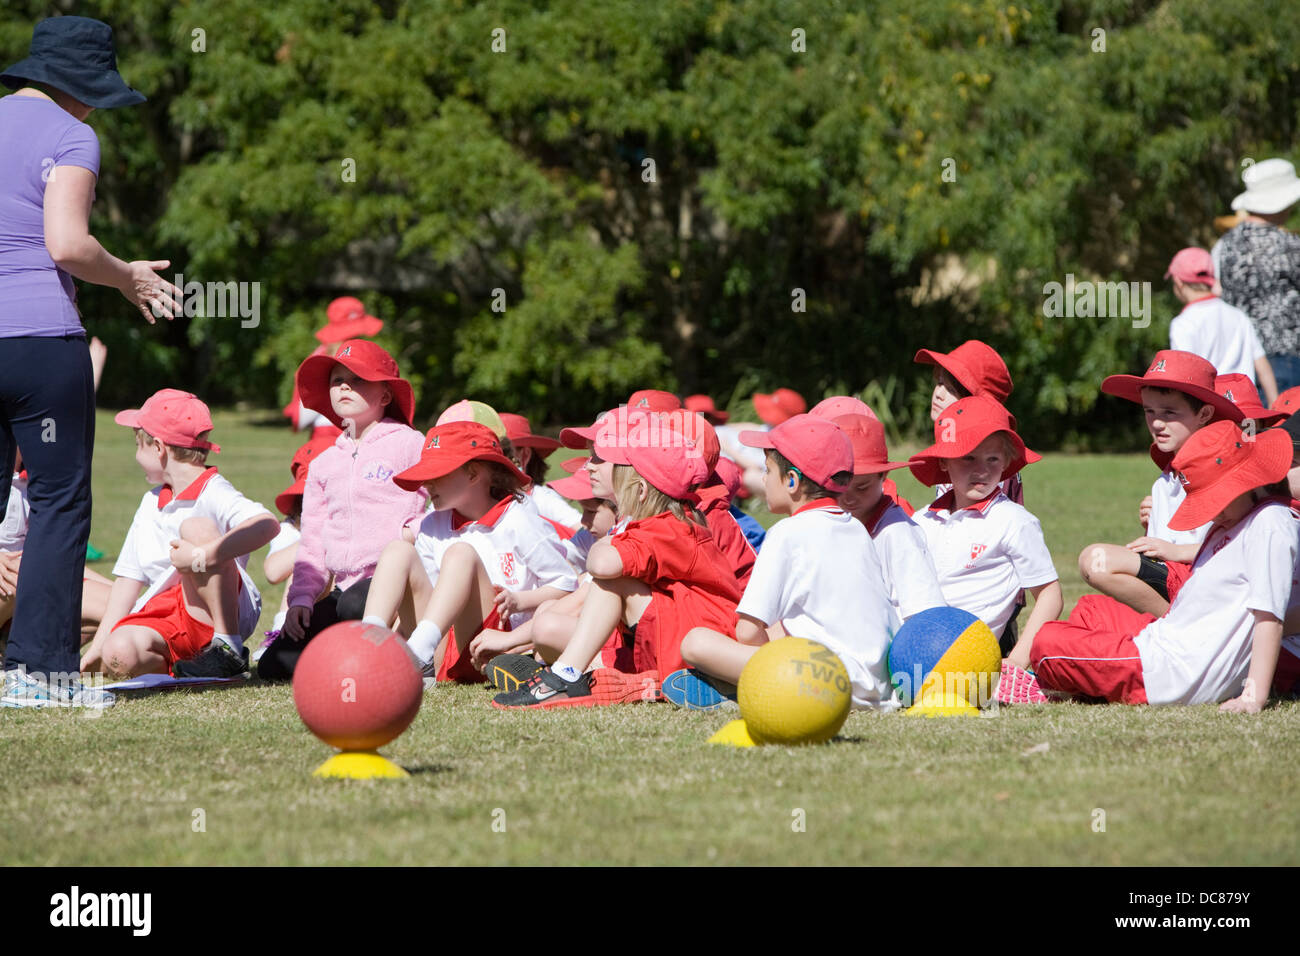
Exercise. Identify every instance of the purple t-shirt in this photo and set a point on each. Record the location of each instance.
(36, 135)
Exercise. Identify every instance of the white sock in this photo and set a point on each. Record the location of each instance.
(374, 620)
(232, 641)
(567, 671)
(425, 639)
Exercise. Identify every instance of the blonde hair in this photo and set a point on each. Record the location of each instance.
(189, 456)
(627, 497)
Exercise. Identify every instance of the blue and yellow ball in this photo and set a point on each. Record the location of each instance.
(945, 651)
(794, 691)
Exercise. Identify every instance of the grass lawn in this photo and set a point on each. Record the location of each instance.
(638, 784)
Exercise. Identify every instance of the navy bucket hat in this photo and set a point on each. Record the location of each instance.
(75, 55)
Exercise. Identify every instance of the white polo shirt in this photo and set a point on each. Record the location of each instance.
(1199, 652)
(1166, 495)
(287, 538)
(985, 554)
(819, 575)
(1219, 333)
(13, 532)
(910, 576)
(519, 550)
(551, 504)
(146, 553)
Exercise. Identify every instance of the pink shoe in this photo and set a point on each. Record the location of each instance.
(1019, 686)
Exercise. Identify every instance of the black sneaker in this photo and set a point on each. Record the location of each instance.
(548, 689)
(215, 660)
(511, 671)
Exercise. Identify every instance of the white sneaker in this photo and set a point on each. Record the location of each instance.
(22, 689)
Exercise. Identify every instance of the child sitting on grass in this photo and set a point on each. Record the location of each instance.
(817, 577)
(186, 549)
(1222, 637)
(483, 558)
(655, 576)
(1178, 398)
(986, 548)
(350, 508)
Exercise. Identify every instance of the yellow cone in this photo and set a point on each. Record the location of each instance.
(359, 765)
(734, 734)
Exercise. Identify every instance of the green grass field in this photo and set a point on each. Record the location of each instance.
(224, 777)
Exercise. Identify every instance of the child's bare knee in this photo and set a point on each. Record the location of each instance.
(397, 548)
(461, 553)
(694, 640)
(1093, 561)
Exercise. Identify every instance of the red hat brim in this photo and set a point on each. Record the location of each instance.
(1129, 388)
(925, 463)
(284, 500)
(434, 463)
(363, 328)
(576, 487)
(769, 409)
(966, 376)
(313, 382)
(1270, 462)
(539, 443)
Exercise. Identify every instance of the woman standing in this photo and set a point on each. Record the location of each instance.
(1258, 264)
(49, 161)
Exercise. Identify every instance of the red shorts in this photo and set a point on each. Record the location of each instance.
(617, 652)
(457, 666)
(1093, 654)
(1179, 572)
(166, 613)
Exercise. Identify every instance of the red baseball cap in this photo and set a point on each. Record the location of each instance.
(867, 436)
(977, 367)
(839, 405)
(346, 318)
(1180, 371)
(1240, 390)
(1218, 463)
(960, 429)
(728, 472)
(671, 462)
(576, 487)
(583, 437)
(815, 446)
(368, 362)
(574, 465)
(1288, 401)
(298, 468)
(782, 404)
(654, 400)
(1192, 264)
(521, 435)
(173, 417)
(704, 405)
(447, 447)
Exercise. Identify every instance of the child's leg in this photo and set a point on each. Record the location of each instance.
(462, 599)
(716, 654)
(211, 593)
(1113, 570)
(399, 587)
(1092, 654)
(132, 650)
(609, 601)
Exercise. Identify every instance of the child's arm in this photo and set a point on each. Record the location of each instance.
(120, 600)
(1266, 644)
(1144, 512)
(750, 630)
(1048, 604)
(1164, 550)
(604, 561)
(240, 540)
(512, 602)
(1267, 383)
(279, 565)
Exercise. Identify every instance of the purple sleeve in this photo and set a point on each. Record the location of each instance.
(78, 147)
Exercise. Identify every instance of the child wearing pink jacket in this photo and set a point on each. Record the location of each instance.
(351, 508)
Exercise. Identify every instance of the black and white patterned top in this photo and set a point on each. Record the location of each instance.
(1259, 270)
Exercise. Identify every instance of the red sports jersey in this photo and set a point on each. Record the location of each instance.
(715, 505)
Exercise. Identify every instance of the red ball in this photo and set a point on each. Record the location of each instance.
(356, 686)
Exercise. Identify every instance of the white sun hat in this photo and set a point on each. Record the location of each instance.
(1271, 186)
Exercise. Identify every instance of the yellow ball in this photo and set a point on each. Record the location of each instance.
(936, 702)
(794, 691)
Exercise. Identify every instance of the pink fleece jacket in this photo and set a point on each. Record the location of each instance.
(351, 508)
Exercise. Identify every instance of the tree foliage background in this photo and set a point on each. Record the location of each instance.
(775, 169)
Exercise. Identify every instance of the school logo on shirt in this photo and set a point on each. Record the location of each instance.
(975, 551)
(508, 566)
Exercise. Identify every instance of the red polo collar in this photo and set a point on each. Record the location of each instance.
(816, 503)
(1208, 295)
(191, 492)
(489, 519)
(949, 498)
(878, 512)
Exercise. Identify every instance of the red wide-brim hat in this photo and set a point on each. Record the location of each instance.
(975, 365)
(368, 362)
(966, 423)
(520, 433)
(447, 447)
(1218, 463)
(346, 318)
(1180, 372)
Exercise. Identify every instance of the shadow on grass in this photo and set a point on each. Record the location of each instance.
(428, 769)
